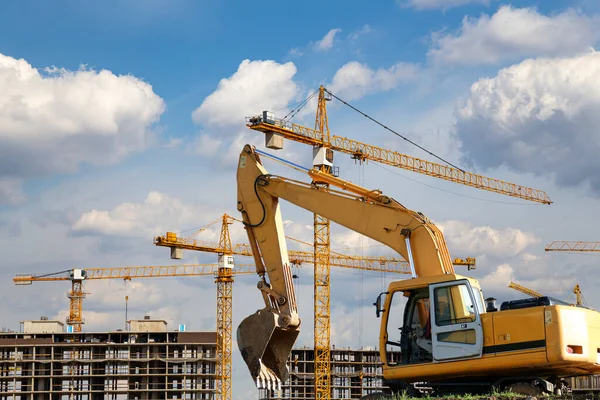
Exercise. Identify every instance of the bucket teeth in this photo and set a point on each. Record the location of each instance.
(267, 379)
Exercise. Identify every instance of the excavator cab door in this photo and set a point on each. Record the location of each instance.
(456, 330)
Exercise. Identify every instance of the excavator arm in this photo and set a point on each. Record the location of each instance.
(266, 338)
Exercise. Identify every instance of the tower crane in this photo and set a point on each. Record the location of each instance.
(533, 293)
(78, 275)
(324, 144)
(574, 246)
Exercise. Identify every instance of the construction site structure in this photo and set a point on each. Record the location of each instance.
(354, 373)
(150, 362)
(324, 145)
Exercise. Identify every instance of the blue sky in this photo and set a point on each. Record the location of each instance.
(96, 160)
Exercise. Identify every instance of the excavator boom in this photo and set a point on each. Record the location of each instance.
(266, 338)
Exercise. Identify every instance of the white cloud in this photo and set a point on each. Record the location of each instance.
(299, 231)
(539, 116)
(464, 239)
(355, 80)
(254, 87)
(515, 32)
(53, 120)
(498, 279)
(295, 52)
(156, 215)
(327, 42)
(226, 153)
(350, 242)
(174, 143)
(231, 155)
(11, 190)
(362, 31)
(441, 4)
(550, 282)
(206, 145)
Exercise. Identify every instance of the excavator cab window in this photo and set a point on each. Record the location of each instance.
(413, 328)
(453, 305)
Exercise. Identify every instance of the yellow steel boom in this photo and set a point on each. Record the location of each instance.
(523, 289)
(560, 245)
(77, 276)
(365, 152)
(296, 257)
(155, 271)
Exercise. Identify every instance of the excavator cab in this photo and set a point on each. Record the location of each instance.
(441, 322)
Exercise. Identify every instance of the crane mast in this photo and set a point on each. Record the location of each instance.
(76, 296)
(322, 271)
(224, 283)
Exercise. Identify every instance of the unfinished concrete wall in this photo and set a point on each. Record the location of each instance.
(42, 326)
(147, 325)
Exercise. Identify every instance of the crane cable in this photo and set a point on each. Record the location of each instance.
(297, 109)
(394, 132)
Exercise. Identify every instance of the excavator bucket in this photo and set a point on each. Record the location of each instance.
(265, 346)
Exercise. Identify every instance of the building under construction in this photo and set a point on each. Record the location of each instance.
(354, 373)
(145, 362)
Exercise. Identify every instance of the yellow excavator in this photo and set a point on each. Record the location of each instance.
(451, 339)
